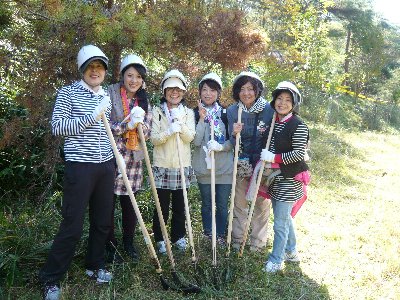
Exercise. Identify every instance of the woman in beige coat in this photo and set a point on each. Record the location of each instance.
(172, 117)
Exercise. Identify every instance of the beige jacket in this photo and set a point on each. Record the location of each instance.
(165, 152)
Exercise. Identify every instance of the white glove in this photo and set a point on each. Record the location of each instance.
(177, 114)
(175, 127)
(137, 116)
(267, 156)
(137, 112)
(213, 145)
(101, 108)
(207, 158)
(306, 156)
(133, 123)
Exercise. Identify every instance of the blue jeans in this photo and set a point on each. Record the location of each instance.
(222, 193)
(284, 234)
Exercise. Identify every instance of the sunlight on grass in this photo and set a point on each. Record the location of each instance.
(361, 247)
(348, 237)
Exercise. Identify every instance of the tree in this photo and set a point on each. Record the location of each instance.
(40, 42)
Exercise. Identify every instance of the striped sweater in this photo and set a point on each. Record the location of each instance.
(289, 189)
(85, 139)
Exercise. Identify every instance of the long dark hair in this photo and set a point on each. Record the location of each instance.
(257, 86)
(141, 93)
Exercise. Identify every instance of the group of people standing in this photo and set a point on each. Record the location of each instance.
(92, 179)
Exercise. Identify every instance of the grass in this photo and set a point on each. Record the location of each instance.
(348, 237)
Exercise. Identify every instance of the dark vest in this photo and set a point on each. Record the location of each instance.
(283, 143)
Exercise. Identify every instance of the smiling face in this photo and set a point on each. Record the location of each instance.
(94, 74)
(208, 95)
(283, 104)
(132, 81)
(247, 94)
(174, 96)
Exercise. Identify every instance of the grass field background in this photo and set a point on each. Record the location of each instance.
(348, 238)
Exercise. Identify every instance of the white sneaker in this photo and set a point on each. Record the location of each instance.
(291, 256)
(181, 244)
(161, 247)
(51, 292)
(271, 267)
(100, 275)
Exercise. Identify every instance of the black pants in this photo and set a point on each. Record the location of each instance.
(178, 229)
(84, 184)
(129, 219)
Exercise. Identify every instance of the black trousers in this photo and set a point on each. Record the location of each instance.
(178, 229)
(129, 219)
(84, 184)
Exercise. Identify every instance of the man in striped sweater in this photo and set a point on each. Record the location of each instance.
(89, 172)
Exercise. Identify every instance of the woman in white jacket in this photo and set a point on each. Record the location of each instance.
(170, 118)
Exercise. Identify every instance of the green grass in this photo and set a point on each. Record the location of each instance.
(348, 237)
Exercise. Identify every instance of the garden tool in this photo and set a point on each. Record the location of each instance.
(259, 177)
(187, 288)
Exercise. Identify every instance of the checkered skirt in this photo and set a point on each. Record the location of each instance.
(134, 170)
(169, 178)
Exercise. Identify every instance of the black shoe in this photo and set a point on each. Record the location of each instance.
(130, 249)
(112, 256)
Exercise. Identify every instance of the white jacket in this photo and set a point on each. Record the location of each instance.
(165, 152)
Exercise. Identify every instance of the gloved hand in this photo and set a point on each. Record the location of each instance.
(177, 114)
(137, 112)
(100, 108)
(306, 156)
(133, 123)
(174, 128)
(213, 145)
(267, 156)
(137, 116)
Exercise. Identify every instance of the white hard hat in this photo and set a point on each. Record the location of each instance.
(248, 74)
(89, 53)
(173, 82)
(290, 87)
(174, 74)
(130, 60)
(212, 76)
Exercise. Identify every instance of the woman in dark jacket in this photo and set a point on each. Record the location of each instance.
(254, 127)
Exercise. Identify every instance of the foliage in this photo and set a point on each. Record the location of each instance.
(39, 50)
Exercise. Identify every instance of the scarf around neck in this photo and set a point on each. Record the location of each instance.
(132, 136)
(167, 113)
(213, 115)
(257, 106)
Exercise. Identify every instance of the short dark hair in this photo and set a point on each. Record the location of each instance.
(275, 95)
(212, 84)
(257, 86)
